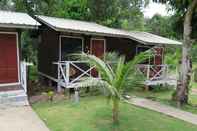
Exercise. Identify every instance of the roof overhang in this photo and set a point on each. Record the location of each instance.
(141, 37)
(9, 19)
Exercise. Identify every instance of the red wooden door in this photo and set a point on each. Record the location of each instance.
(8, 59)
(97, 49)
(158, 55)
(158, 61)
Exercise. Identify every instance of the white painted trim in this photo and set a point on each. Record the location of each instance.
(18, 60)
(9, 84)
(47, 76)
(105, 47)
(4, 32)
(67, 36)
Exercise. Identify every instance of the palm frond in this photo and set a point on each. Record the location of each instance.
(95, 82)
(119, 74)
(130, 67)
(111, 59)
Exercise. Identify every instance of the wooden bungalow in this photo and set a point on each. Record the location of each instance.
(59, 37)
(12, 69)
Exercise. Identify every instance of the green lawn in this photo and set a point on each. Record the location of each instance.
(194, 85)
(94, 114)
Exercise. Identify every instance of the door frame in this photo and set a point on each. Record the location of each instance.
(98, 39)
(18, 60)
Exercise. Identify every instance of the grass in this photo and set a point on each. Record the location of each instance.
(194, 85)
(94, 114)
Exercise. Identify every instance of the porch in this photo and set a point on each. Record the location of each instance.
(157, 74)
(71, 72)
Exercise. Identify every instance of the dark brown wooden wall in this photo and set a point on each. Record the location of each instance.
(123, 46)
(48, 52)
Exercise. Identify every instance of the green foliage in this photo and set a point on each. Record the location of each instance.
(173, 56)
(6, 5)
(33, 73)
(194, 53)
(29, 47)
(50, 95)
(180, 7)
(126, 14)
(162, 25)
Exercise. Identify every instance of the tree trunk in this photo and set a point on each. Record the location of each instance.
(186, 67)
(115, 110)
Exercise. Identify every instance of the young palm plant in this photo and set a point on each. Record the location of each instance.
(114, 76)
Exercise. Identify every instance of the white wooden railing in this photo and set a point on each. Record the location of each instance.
(154, 72)
(70, 72)
(24, 76)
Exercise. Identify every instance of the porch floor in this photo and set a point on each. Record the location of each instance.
(167, 81)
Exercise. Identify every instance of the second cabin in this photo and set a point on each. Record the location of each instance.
(60, 37)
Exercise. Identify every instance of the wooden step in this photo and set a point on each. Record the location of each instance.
(13, 98)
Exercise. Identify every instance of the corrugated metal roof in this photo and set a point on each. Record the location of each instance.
(152, 38)
(17, 20)
(60, 24)
(75, 26)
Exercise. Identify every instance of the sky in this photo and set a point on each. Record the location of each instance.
(156, 8)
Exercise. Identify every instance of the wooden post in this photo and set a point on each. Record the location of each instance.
(67, 73)
(59, 79)
(25, 76)
(167, 69)
(148, 72)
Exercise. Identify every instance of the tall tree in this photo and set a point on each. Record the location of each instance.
(186, 67)
(188, 8)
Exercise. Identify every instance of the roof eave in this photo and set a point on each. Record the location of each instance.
(88, 32)
(19, 26)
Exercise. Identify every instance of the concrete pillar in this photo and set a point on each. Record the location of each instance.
(76, 97)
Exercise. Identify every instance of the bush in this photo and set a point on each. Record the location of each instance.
(33, 73)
